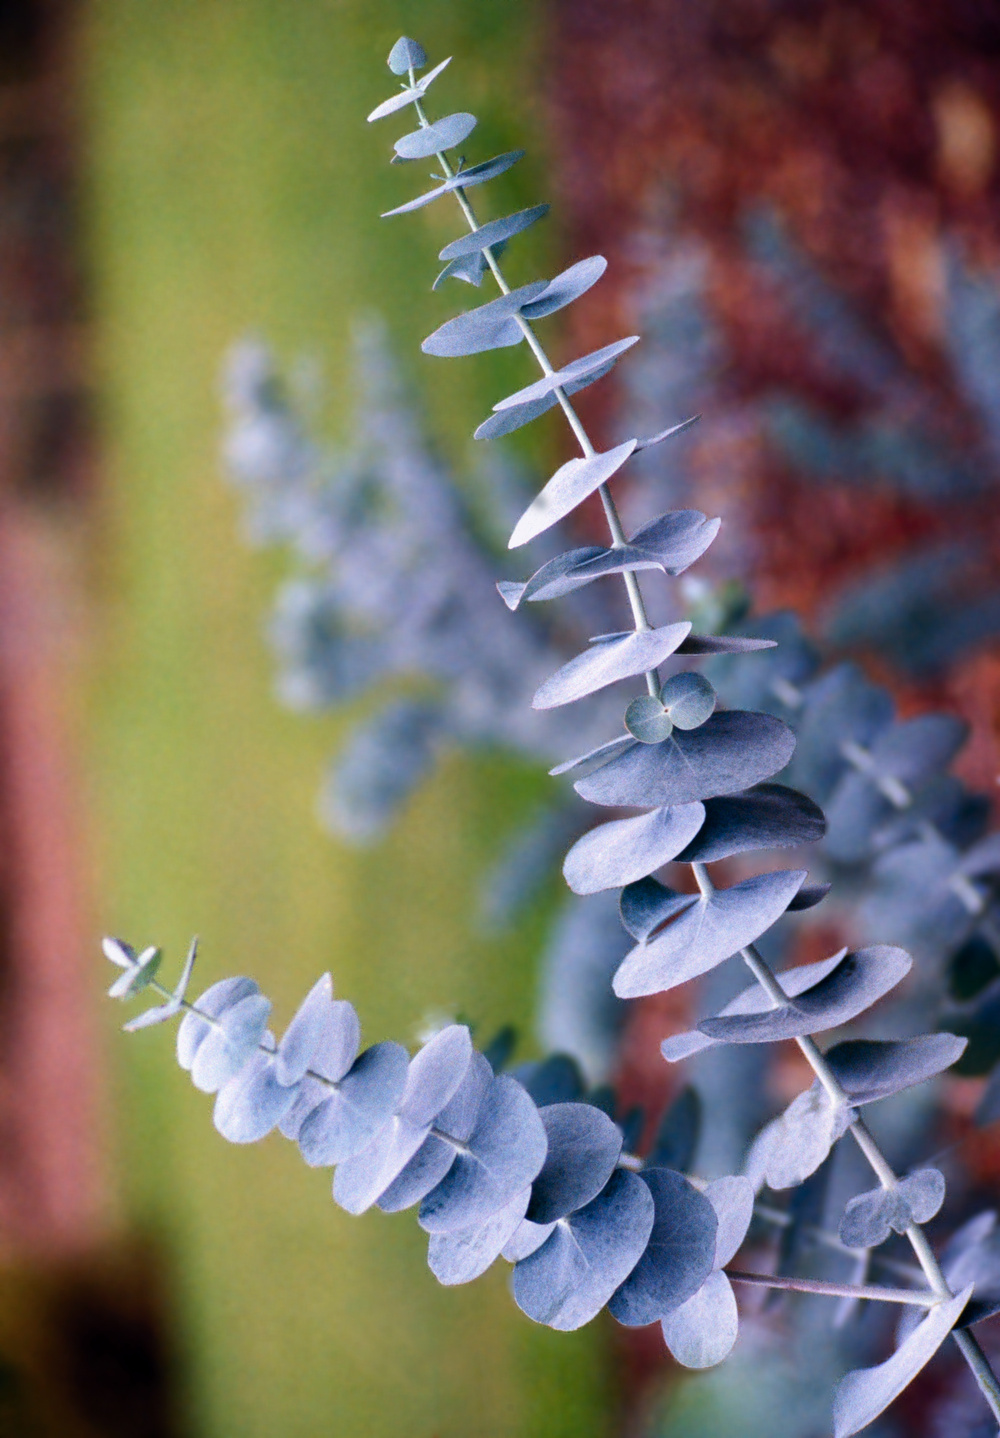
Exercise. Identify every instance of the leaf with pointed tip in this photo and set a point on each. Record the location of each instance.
(333, 1126)
(578, 370)
(252, 1103)
(866, 1392)
(571, 484)
(225, 1049)
(595, 758)
(491, 326)
(194, 1029)
(711, 929)
(465, 1253)
(405, 55)
(679, 1255)
(584, 1145)
(470, 268)
(444, 134)
(567, 1281)
(701, 1333)
(808, 897)
(339, 1043)
(409, 94)
(435, 1074)
(464, 180)
(751, 1000)
(647, 904)
(870, 1217)
(505, 421)
(733, 750)
(619, 853)
(118, 952)
(724, 644)
(668, 433)
(769, 816)
(604, 664)
(566, 288)
(858, 981)
(793, 1145)
(732, 1198)
(138, 975)
(161, 1013)
(556, 1079)
(872, 1069)
(677, 1136)
(493, 233)
(503, 1153)
(972, 1255)
(305, 1033)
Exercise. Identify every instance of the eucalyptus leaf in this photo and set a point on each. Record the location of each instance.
(679, 1255)
(333, 1125)
(647, 720)
(406, 55)
(872, 1069)
(409, 94)
(435, 1073)
(505, 421)
(603, 664)
(493, 233)
(792, 1146)
(424, 1171)
(677, 1133)
(465, 1253)
(730, 752)
(444, 134)
(647, 904)
(595, 758)
(581, 369)
(464, 180)
(527, 1238)
(491, 326)
(732, 1197)
(555, 1079)
(584, 1146)
(668, 433)
(361, 1180)
(689, 699)
(702, 1331)
(769, 816)
(625, 850)
(571, 484)
(870, 1217)
(305, 1033)
(724, 644)
(254, 1102)
(566, 288)
(194, 1028)
(225, 1049)
(469, 268)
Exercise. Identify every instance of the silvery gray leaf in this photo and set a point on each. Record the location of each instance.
(252, 1103)
(688, 698)
(792, 1146)
(118, 952)
(972, 1255)
(405, 55)
(668, 433)
(503, 1154)
(706, 933)
(305, 1033)
(566, 288)
(360, 1180)
(444, 134)
(872, 1069)
(857, 982)
(459, 1115)
(584, 1145)
(751, 1000)
(469, 268)
(625, 850)
(193, 1029)
(493, 233)
(732, 751)
(603, 664)
(139, 975)
(579, 370)
(424, 1171)
(407, 96)
(506, 422)
(679, 1255)
(647, 904)
(866, 1392)
(769, 816)
(490, 326)
(595, 757)
(556, 1079)
(160, 1014)
(676, 1140)
(339, 1042)
(911, 750)
(526, 1239)
(224, 1050)
(870, 1217)
(435, 1073)
(464, 1254)
(732, 1198)
(567, 1281)
(724, 644)
(701, 1333)
(571, 484)
(464, 180)
(344, 1121)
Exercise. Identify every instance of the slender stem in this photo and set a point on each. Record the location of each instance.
(836, 1290)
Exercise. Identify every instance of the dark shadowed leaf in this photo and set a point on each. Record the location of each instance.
(732, 751)
(702, 1331)
(444, 134)
(583, 1147)
(870, 1217)
(567, 1281)
(567, 287)
(603, 664)
(769, 816)
(647, 904)
(490, 326)
(866, 1392)
(569, 486)
(495, 232)
(706, 932)
(556, 1079)
(619, 853)
(254, 1102)
(679, 1256)
(332, 1126)
(858, 980)
(871, 1069)
(676, 1140)
(792, 1146)
(465, 180)
(464, 1254)
(723, 644)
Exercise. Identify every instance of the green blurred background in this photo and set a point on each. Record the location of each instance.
(233, 186)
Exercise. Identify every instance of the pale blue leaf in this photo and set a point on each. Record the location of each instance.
(340, 1041)
(705, 933)
(702, 1331)
(118, 952)
(567, 1281)
(730, 752)
(647, 720)
(424, 1171)
(305, 1033)
(858, 981)
(505, 421)
(225, 1049)
(526, 1239)
(604, 664)
(493, 233)
(569, 486)
(594, 758)
(870, 1217)
(444, 134)
(792, 1146)
(769, 816)
(872, 1069)
(253, 1103)
(361, 1180)
(679, 1255)
(332, 1126)
(491, 326)
(723, 644)
(405, 55)
(584, 1145)
(566, 288)
(459, 1116)
(469, 268)
(464, 180)
(464, 1254)
(625, 850)
(732, 1198)
(193, 1028)
(409, 94)
(689, 699)
(138, 976)
(668, 433)
(435, 1073)
(579, 370)
(866, 1392)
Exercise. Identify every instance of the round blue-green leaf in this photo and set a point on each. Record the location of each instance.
(444, 134)
(332, 1126)
(647, 720)
(465, 1253)
(625, 850)
(689, 699)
